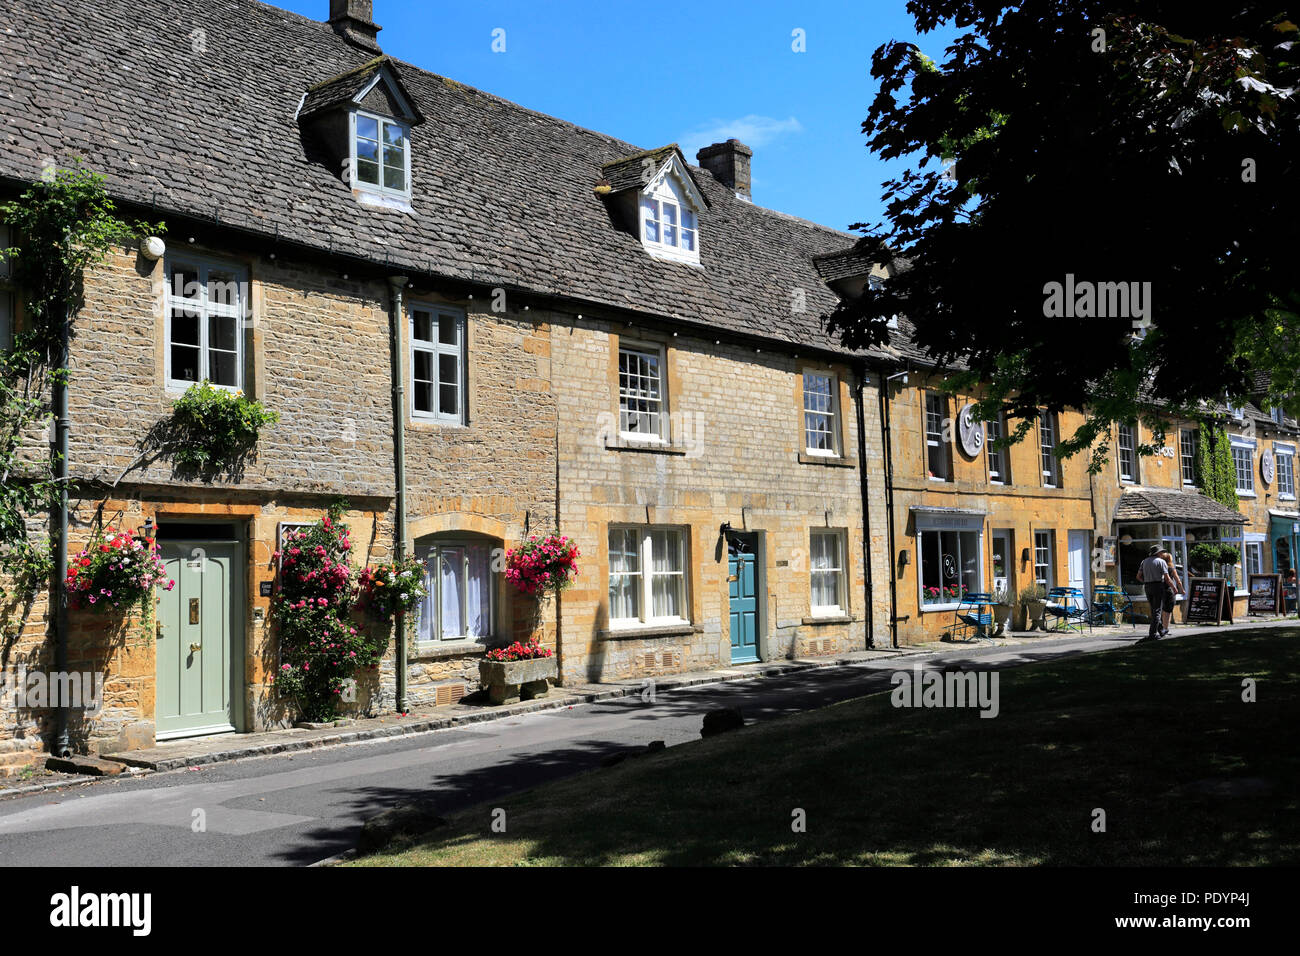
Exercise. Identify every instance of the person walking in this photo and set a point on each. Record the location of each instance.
(1167, 609)
(1153, 573)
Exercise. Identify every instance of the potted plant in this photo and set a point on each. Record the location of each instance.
(1204, 556)
(517, 671)
(1033, 605)
(1003, 610)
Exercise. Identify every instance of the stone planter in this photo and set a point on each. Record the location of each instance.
(1034, 612)
(508, 681)
(1002, 614)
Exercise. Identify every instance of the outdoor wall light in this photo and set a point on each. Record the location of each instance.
(1024, 555)
(904, 558)
(153, 248)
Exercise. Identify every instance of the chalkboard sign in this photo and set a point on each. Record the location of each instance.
(1205, 600)
(1265, 594)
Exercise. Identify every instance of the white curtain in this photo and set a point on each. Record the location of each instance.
(478, 586)
(452, 582)
(666, 564)
(425, 628)
(624, 574)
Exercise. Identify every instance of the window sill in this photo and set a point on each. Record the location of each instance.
(927, 608)
(438, 650)
(828, 619)
(430, 421)
(834, 461)
(1245, 494)
(654, 447)
(652, 630)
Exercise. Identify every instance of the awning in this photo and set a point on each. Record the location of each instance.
(947, 519)
(1185, 507)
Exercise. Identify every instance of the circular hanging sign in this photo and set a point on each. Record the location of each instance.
(970, 431)
(1266, 465)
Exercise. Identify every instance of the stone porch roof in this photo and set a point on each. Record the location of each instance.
(1183, 506)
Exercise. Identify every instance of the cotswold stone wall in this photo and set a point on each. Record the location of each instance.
(1023, 506)
(736, 418)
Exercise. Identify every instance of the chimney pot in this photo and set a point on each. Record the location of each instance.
(354, 21)
(729, 164)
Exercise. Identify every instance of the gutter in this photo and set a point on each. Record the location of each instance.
(889, 507)
(866, 503)
(59, 521)
(395, 316)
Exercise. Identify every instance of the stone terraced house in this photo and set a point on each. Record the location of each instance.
(477, 323)
(572, 332)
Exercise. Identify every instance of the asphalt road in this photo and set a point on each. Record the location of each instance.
(299, 808)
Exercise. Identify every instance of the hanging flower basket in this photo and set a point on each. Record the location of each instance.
(543, 566)
(117, 570)
(385, 589)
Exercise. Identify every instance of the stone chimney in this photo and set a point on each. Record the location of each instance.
(729, 163)
(352, 20)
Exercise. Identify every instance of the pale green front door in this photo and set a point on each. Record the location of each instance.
(199, 643)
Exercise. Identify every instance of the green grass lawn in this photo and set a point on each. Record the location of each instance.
(1121, 730)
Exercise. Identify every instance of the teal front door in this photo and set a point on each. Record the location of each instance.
(199, 640)
(742, 580)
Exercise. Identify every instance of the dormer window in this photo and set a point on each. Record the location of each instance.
(359, 125)
(381, 155)
(657, 200)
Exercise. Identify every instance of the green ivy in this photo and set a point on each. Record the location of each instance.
(62, 226)
(212, 427)
(1216, 475)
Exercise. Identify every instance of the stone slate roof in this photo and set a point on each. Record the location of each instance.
(625, 173)
(1183, 506)
(502, 195)
(340, 89)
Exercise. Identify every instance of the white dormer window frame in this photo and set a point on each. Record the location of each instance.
(668, 221)
(876, 283)
(357, 125)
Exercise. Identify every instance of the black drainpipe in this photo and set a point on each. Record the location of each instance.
(889, 507)
(63, 425)
(396, 285)
(866, 503)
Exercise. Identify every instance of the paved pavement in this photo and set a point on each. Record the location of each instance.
(298, 808)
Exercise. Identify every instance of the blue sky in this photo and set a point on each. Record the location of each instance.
(691, 73)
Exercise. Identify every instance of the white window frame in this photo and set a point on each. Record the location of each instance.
(660, 354)
(1285, 491)
(436, 349)
(646, 573)
(937, 442)
(1187, 456)
(998, 459)
(977, 529)
(1048, 464)
(832, 414)
(202, 267)
(840, 607)
(379, 188)
(434, 548)
(1248, 447)
(678, 195)
(1129, 450)
(1254, 557)
(1045, 557)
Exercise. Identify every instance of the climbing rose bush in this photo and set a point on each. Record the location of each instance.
(519, 652)
(320, 646)
(542, 566)
(117, 570)
(385, 589)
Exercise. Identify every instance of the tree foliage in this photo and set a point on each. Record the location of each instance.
(1133, 141)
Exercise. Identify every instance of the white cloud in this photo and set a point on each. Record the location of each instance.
(752, 130)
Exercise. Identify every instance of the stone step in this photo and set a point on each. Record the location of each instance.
(80, 764)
